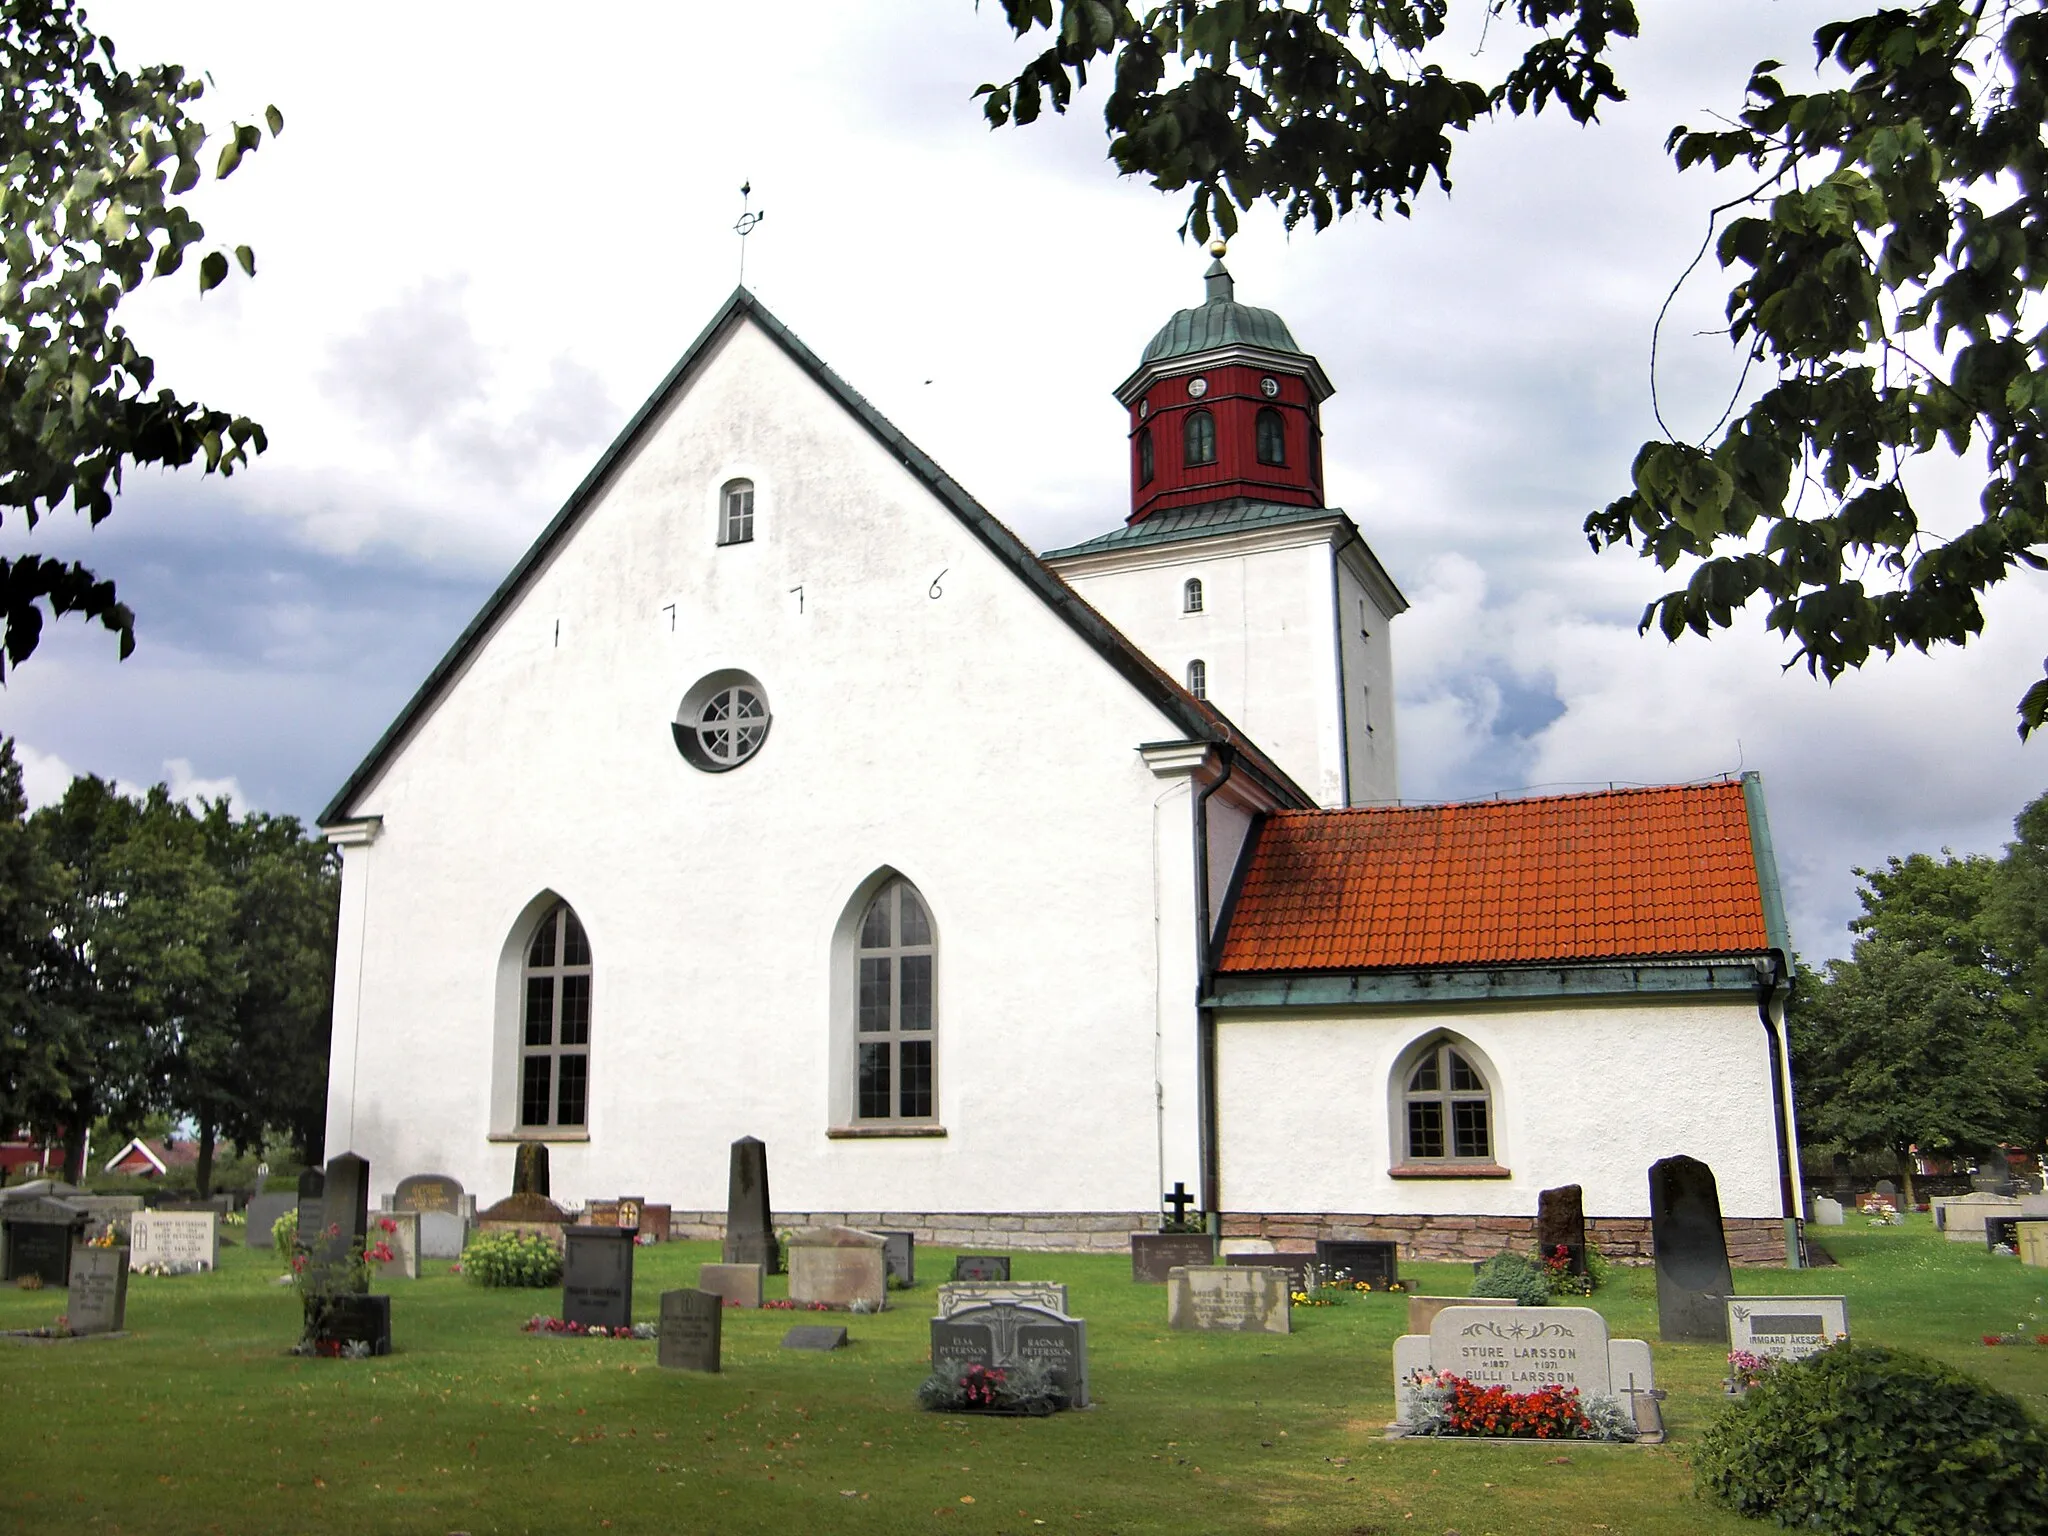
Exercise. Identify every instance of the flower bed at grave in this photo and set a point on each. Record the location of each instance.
(1020, 1389)
(59, 1329)
(784, 1304)
(560, 1329)
(1335, 1289)
(1441, 1403)
(2015, 1338)
(1745, 1370)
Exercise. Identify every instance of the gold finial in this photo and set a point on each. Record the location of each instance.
(1218, 247)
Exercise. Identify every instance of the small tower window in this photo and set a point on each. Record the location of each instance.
(1198, 437)
(736, 513)
(1198, 679)
(1144, 456)
(1191, 595)
(1272, 434)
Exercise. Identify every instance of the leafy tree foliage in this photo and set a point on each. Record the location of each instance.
(1882, 263)
(92, 161)
(179, 962)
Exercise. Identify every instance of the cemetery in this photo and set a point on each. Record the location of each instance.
(1068, 1389)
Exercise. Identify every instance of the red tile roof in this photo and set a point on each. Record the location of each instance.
(1627, 874)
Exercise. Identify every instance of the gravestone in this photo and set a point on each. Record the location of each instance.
(735, 1285)
(312, 1185)
(1003, 1335)
(185, 1242)
(1787, 1327)
(899, 1252)
(428, 1192)
(655, 1221)
(527, 1209)
(1153, 1254)
(443, 1234)
(105, 1211)
(749, 1227)
(2034, 1244)
(36, 1238)
(982, 1266)
(2002, 1231)
(838, 1266)
(265, 1210)
(1229, 1300)
(530, 1169)
(1297, 1264)
(689, 1336)
(1635, 1383)
(1963, 1216)
(1422, 1310)
(597, 1277)
(1827, 1212)
(1049, 1295)
(814, 1336)
(1693, 1278)
(344, 1223)
(98, 1302)
(601, 1213)
(1377, 1262)
(1561, 1223)
(402, 1238)
(353, 1318)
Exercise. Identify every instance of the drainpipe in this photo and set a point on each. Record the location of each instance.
(1773, 988)
(1206, 1115)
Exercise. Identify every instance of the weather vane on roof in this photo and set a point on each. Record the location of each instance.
(745, 226)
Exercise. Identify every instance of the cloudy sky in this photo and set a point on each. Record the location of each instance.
(486, 234)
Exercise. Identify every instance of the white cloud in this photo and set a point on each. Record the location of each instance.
(188, 788)
(44, 775)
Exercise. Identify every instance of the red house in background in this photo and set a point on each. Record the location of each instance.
(151, 1159)
(25, 1154)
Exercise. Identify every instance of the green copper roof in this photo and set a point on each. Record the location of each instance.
(1221, 322)
(1235, 515)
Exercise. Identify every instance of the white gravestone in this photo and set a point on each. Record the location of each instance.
(403, 1240)
(1787, 1327)
(1237, 1300)
(1963, 1216)
(956, 1294)
(182, 1241)
(1527, 1348)
(1827, 1212)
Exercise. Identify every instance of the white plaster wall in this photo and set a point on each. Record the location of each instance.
(1264, 631)
(1368, 691)
(1584, 1093)
(970, 741)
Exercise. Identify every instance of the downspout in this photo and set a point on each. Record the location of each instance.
(1206, 1112)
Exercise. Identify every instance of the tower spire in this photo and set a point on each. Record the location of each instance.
(1221, 289)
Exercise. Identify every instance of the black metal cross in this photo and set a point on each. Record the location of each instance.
(1179, 1198)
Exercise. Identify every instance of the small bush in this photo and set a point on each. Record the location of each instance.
(284, 1232)
(1510, 1274)
(512, 1259)
(1863, 1439)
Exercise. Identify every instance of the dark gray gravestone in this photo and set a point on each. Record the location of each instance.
(1154, 1253)
(1377, 1262)
(530, 1169)
(812, 1336)
(1561, 1223)
(749, 1228)
(362, 1320)
(1004, 1334)
(344, 1223)
(1693, 1278)
(899, 1253)
(982, 1266)
(264, 1210)
(597, 1276)
(689, 1337)
(36, 1236)
(99, 1290)
(312, 1185)
(2002, 1229)
(1296, 1265)
(428, 1192)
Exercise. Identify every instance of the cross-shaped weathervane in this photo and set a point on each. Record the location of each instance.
(745, 226)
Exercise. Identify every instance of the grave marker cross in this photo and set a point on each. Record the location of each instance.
(1179, 1198)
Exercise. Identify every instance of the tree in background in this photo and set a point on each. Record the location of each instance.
(1922, 1037)
(1883, 256)
(27, 885)
(92, 160)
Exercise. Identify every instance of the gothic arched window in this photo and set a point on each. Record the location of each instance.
(1144, 456)
(896, 1008)
(1191, 595)
(1198, 438)
(736, 512)
(1272, 435)
(1198, 679)
(1449, 1107)
(554, 1055)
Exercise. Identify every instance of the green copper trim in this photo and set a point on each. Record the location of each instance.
(1394, 989)
(1209, 519)
(1775, 927)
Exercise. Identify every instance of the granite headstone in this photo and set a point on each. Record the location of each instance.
(688, 1339)
(1693, 1278)
(1787, 1327)
(597, 1277)
(1561, 1223)
(899, 1252)
(814, 1336)
(263, 1214)
(838, 1266)
(982, 1266)
(428, 1192)
(1373, 1261)
(36, 1238)
(1153, 1254)
(749, 1226)
(1005, 1334)
(735, 1285)
(99, 1290)
(1228, 1300)
(184, 1242)
(1296, 1262)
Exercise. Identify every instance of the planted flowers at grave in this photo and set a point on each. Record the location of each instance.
(343, 1321)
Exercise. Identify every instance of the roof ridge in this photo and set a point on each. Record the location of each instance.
(1506, 801)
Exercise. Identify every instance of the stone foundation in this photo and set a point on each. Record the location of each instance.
(1624, 1239)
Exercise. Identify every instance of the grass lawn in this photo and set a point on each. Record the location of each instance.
(199, 1421)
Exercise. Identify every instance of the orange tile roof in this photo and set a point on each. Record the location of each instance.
(1626, 874)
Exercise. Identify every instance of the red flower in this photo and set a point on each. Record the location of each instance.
(1990, 1338)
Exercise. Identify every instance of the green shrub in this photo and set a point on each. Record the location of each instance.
(1510, 1274)
(512, 1259)
(284, 1232)
(1863, 1439)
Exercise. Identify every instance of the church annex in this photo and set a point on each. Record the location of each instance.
(781, 791)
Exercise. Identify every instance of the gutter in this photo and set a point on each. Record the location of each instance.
(1207, 1117)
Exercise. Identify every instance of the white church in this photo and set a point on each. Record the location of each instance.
(779, 790)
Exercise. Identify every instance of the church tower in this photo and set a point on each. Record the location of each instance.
(1231, 571)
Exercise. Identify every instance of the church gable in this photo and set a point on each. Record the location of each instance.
(745, 322)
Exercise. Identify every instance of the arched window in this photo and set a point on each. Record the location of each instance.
(1198, 438)
(736, 512)
(1449, 1107)
(1144, 456)
(1272, 435)
(1191, 595)
(554, 1055)
(896, 1008)
(1198, 679)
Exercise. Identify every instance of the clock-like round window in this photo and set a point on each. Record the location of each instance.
(723, 721)
(1269, 387)
(1198, 388)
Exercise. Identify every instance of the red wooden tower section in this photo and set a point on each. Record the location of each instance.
(1224, 405)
